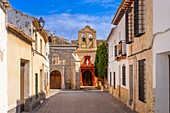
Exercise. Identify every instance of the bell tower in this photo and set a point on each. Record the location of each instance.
(87, 38)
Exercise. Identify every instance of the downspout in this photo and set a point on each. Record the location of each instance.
(32, 54)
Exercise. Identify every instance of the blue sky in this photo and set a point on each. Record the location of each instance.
(67, 17)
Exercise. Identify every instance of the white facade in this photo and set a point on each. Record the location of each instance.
(117, 35)
(110, 42)
(3, 59)
(161, 51)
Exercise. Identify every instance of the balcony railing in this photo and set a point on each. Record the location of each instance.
(120, 50)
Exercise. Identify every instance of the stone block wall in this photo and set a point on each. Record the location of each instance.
(65, 59)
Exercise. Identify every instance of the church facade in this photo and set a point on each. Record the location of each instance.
(63, 65)
(72, 64)
(87, 47)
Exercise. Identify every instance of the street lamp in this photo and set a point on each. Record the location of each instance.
(41, 23)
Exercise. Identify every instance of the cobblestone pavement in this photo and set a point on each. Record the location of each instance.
(82, 101)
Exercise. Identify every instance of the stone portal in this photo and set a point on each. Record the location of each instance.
(87, 76)
(55, 80)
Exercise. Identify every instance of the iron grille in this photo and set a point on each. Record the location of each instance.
(124, 75)
(128, 26)
(142, 80)
(139, 17)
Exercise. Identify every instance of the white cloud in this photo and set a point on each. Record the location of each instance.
(53, 11)
(67, 25)
(99, 1)
(104, 3)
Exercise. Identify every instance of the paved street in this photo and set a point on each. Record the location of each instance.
(82, 101)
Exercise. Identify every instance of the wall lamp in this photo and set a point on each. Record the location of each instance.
(41, 24)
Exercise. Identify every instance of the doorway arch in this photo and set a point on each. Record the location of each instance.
(55, 80)
(87, 78)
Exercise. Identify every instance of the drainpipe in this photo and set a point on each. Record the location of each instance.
(32, 54)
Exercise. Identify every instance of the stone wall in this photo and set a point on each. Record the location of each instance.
(67, 63)
(139, 50)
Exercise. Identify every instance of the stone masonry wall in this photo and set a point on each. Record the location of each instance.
(136, 52)
(64, 58)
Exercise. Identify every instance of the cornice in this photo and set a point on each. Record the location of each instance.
(20, 33)
(121, 10)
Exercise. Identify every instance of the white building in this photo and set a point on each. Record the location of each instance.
(161, 55)
(117, 70)
(3, 56)
(31, 75)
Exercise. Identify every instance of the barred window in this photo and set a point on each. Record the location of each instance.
(129, 25)
(124, 75)
(139, 17)
(142, 80)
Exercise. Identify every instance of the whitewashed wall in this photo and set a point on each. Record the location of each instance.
(110, 57)
(161, 50)
(161, 17)
(3, 63)
(120, 35)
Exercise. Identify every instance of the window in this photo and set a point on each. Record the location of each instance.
(116, 51)
(129, 26)
(114, 84)
(41, 46)
(139, 17)
(110, 78)
(124, 75)
(36, 42)
(36, 84)
(142, 80)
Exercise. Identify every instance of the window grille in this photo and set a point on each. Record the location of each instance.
(142, 80)
(139, 17)
(124, 75)
(129, 25)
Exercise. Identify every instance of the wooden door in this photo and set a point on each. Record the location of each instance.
(87, 78)
(22, 86)
(55, 81)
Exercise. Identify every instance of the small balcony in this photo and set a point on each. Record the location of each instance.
(116, 53)
(122, 49)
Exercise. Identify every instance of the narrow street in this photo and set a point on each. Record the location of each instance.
(82, 101)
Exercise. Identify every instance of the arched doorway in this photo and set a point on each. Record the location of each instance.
(55, 80)
(87, 78)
